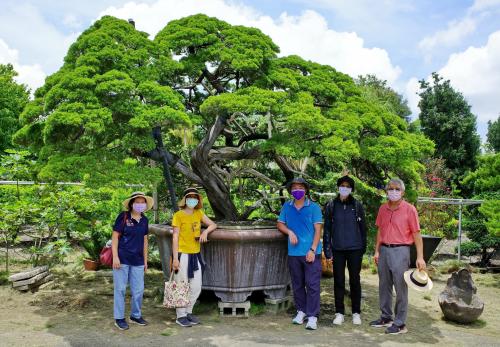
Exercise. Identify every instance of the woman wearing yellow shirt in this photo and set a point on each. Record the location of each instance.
(188, 264)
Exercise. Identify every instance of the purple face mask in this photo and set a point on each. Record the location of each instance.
(298, 194)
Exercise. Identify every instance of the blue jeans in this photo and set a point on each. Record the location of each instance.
(133, 275)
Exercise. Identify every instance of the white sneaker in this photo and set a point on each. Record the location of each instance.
(299, 318)
(339, 319)
(356, 319)
(312, 323)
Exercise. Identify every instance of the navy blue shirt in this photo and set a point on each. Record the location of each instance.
(131, 241)
(346, 233)
(301, 222)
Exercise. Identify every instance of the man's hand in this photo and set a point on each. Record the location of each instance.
(375, 257)
(420, 264)
(293, 238)
(310, 256)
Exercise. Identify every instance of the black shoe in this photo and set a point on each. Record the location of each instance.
(396, 329)
(121, 324)
(184, 322)
(381, 323)
(193, 319)
(139, 321)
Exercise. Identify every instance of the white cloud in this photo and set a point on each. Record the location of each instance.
(26, 30)
(481, 5)
(476, 73)
(453, 35)
(71, 21)
(31, 75)
(306, 35)
(411, 93)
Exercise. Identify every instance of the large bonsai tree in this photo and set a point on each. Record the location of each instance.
(217, 105)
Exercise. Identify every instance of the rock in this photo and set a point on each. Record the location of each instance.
(459, 301)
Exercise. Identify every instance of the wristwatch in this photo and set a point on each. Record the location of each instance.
(312, 250)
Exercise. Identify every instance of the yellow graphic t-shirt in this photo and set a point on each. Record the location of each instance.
(189, 227)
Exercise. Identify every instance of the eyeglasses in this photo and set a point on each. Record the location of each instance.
(394, 189)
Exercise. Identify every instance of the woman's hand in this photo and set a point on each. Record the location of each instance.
(204, 236)
(176, 265)
(116, 263)
(375, 257)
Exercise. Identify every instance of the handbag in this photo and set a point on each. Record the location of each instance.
(176, 294)
(106, 255)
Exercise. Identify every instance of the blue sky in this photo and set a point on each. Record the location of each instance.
(401, 41)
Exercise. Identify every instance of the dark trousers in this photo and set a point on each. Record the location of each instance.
(305, 283)
(353, 260)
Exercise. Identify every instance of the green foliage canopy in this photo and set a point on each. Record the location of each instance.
(249, 115)
(493, 135)
(13, 98)
(446, 118)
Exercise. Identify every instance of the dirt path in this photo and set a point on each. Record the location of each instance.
(77, 311)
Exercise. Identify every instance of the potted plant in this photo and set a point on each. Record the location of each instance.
(93, 244)
(217, 108)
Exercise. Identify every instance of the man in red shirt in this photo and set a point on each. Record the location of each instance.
(398, 229)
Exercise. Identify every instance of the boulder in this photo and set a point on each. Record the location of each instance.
(459, 301)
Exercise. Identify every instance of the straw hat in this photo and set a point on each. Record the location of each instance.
(418, 280)
(149, 200)
(191, 191)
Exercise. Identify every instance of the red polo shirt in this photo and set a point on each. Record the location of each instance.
(397, 226)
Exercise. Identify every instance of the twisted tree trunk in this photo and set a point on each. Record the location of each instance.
(218, 192)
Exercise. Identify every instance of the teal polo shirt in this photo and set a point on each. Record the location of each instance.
(301, 222)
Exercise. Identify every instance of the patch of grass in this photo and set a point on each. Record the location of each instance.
(452, 265)
(205, 308)
(168, 332)
(489, 280)
(257, 309)
(4, 277)
(49, 325)
(427, 297)
(365, 264)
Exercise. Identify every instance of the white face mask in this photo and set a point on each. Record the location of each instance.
(394, 195)
(191, 202)
(344, 191)
(139, 206)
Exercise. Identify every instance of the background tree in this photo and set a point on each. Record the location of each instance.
(13, 98)
(437, 219)
(378, 89)
(446, 118)
(493, 135)
(234, 118)
(483, 223)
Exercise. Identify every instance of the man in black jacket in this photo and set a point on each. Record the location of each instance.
(344, 240)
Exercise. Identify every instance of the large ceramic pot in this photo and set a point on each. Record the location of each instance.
(430, 245)
(240, 260)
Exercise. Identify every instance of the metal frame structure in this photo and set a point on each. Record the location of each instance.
(449, 201)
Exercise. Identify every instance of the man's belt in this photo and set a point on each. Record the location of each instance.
(392, 245)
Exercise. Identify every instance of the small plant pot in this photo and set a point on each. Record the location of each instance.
(90, 265)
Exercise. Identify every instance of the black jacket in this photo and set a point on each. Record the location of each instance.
(333, 239)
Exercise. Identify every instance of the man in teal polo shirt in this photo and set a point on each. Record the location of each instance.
(301, 220)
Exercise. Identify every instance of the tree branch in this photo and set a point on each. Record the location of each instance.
(233, 153)
(176, 162)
